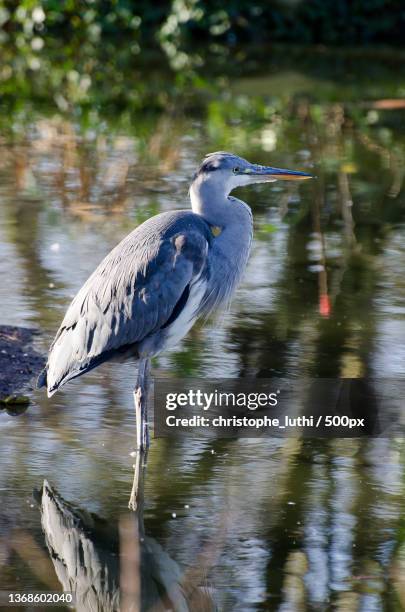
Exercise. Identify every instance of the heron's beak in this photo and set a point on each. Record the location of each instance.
(267, 173)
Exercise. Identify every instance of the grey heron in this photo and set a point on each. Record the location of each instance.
(150, 289)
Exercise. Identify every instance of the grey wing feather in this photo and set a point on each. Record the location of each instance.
(131, 294)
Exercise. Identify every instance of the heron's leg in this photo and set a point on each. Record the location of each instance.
(141, 405)
(137, 483)
(142, 430)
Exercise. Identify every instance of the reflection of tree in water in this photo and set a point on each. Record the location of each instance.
(316, 510)
(55, 170)
(332, 534)
(340, 341)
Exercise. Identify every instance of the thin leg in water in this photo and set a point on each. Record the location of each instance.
(137, 484)
(141, 405)
(142, 431)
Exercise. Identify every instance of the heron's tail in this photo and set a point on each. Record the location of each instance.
(42, 378)
(42, 381)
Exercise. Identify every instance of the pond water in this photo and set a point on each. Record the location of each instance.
(240, 524)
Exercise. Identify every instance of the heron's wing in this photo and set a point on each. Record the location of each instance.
(140, 287)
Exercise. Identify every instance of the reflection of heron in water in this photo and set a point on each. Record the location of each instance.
(148, 292)
(122, 569)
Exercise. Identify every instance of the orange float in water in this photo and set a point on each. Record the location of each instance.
(324, 305)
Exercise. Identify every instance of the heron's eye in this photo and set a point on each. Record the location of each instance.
(236, 170)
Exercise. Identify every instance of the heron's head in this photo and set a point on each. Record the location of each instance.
(225, 171)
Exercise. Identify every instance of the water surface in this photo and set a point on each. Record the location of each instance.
(276, 524)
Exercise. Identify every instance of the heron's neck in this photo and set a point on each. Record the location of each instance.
(230, 248)
(218, 208)
(232, 216)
